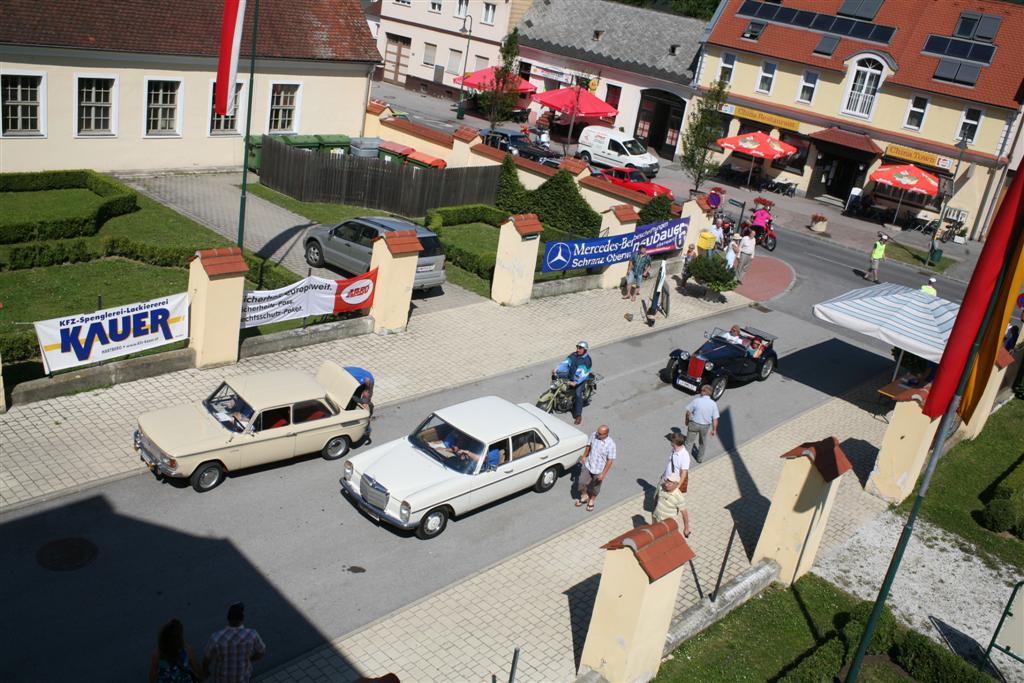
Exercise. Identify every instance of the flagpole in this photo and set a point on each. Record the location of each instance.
(940, 442)
(248, 126)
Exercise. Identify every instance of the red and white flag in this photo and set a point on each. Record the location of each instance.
(227, 67)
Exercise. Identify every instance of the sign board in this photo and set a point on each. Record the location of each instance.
(918, 156)
(82, 339)
(1020, 301)
(550, 74)
(773, 120)
(311, 296)
(605, 251)
(1009, 635)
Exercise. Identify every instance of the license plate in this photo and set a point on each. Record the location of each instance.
(424, 269)
(687, 385)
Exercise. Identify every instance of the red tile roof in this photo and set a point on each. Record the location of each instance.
(402, 242)
(376, 107)
(527, 224)
(496, 154)
(999, 84)
(466, 134)
(223, 261)
(574, 166)
(826, 455)
(659, 548)
(420, 131)
(847, 139)
(632, 196)
(625, 213)
(321, 30)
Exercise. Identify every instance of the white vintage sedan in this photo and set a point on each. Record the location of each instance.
(459, 459)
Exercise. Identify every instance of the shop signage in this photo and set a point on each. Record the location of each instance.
(773, 120)
(918, 156)
(86, 338)
(311, 296)
(605, 251)
(551, 74)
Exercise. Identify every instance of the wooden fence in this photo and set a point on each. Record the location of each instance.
(374, 183)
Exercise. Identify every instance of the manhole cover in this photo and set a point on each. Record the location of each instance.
(66, 554)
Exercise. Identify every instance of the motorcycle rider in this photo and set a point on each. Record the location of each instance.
(576, 367)
(762, 219)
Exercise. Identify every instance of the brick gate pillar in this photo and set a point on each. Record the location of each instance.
(395, 255)
(516, 260)
(216, 284)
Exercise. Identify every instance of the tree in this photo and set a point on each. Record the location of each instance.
(704, 127)
(500, 100)
(657, 210)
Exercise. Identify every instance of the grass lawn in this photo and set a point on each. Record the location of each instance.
(321, 212)
(46, 205)
(156, 224)
(917, 257)
(965, 476)
(476, 237)
(467, 280)
(43, 293)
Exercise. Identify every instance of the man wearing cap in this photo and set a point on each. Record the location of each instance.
(701, 421)
(576, 368)
(231, 651)
(929, 287)
(877, 255)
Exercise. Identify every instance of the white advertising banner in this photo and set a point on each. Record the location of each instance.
(86, 338)
(311, 296)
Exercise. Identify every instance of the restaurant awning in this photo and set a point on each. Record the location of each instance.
(844, 138)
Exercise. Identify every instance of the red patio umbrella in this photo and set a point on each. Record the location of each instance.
(908, 178)
(757, 144)
(484, 80)
(575, 101)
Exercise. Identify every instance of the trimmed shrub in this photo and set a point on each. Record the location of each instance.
(821, 665)
(512, 194)
(886, 633)
(53, 253)
(39, 181)
(474, 262)
(559, 204)
(18, 346)
(657, 210)
(460, 215)
(154, 255)
(926, 660)
(711, 271)
(1005, 511)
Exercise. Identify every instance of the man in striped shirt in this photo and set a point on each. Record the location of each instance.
(231, 651)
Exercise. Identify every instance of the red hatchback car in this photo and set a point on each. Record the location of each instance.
(634, 180)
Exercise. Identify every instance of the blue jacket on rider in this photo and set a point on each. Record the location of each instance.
(575, 368)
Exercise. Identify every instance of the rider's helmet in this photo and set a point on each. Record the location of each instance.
(583, 345)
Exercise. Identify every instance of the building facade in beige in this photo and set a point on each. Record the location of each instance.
(852, 85)
(130, 104)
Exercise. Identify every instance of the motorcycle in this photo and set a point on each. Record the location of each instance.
(766, 236)
(558, 398)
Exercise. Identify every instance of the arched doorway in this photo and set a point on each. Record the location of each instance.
(659, 120)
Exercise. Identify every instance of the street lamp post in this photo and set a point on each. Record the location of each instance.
(962, 146)
(461, 111)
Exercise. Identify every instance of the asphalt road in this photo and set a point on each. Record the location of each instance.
(311, 567)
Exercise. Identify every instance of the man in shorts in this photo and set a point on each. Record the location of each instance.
(596, 461)
(639, 268)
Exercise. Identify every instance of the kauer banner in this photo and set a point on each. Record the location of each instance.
(605, 251)
(113, 332)
(311, 296)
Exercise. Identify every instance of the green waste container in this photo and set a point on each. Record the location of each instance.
(255, 152)
(394, 152)
(310, 142)
(934, 255)
(335, 144)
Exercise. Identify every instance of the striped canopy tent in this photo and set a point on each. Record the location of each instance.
(902, 316)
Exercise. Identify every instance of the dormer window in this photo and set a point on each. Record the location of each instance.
(598, 34)
(974, 26)
(865, 80)
(753, 30)
(673, 50)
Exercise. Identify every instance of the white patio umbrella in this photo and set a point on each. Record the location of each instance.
(902, 316)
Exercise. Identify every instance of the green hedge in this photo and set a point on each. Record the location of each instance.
(557, 202)
(474, 262)
(118, 199)
(1005, 511)
(821, 665)
(925, 660)
(468, 213)
(18, 346)
(657, 210)
(53, 253)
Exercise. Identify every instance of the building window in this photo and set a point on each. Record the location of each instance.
(970, 121)
(481, 63)
(461, 8)
(753, 30)
(611, 97)
(454, 61)
(403, 2)
(767, 78)
(284, 107)
(807, 87)
(22, 105)
(793, 163)
(974, 26)
(162, 107)
(524, 70)
(435, 5)
(429, 53)
(96, 106)
(726, 67)
(915, 113)
(488, 13)
(867, 78)
(225, 125)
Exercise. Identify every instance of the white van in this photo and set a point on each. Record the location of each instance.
(610, 147)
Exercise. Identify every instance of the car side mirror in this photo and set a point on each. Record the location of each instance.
(706, 335)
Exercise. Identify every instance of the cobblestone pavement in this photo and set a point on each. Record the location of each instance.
(67, 443)
(541, 599)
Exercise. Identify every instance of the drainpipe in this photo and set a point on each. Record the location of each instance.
(366, 99)
(1002, 177)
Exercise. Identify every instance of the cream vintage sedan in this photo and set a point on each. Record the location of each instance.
(254, 420)
(459, 459)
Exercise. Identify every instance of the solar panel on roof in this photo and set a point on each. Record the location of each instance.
(982, 53)
(860, 9)
(958, 48)
(785, 15)
(936, 44)
(749, 8)
(767, 11)
(822, 22)
(862, 29)
(842, 26)
(803, 18)
(826, 23)
(961, 49)
(882, 34)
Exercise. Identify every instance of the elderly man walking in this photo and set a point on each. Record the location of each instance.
(596, 461)
(701, 420)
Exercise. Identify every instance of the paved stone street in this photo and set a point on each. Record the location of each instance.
(541, 599)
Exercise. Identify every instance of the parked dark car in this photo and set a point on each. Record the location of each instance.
(518, 143)
(347, 246)
(721, 360)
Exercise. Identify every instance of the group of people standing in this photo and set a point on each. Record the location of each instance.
(227, 657)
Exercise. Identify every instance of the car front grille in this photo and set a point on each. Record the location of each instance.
(695, 367)
(373, 493)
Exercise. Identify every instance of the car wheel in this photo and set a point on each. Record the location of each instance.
(718, 387)
(207, 477)
(546, 480)
(336, 448)
(432, 524)
(585, 156)
(766, 370)
(314, 255)
(669, 373)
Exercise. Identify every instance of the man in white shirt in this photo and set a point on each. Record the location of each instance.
(701, 419)
(747, 244)
(596, 461)
(733, 336)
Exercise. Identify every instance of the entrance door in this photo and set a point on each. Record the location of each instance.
(841, 178)
(658, 121)
(396, 58)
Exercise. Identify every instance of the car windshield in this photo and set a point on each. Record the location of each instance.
(229, 408)
(431, 246)
(637, 177)
(448, 445)
(519, 140)
(634, 147)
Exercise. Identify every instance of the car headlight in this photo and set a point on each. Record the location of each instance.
(404, 511)
(684, 355)
(708, 365)
(347, 475)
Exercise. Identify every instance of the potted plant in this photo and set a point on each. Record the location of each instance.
(961, 236)
(819, 223)
(711, 272)
(763, 201)
(718, 190)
